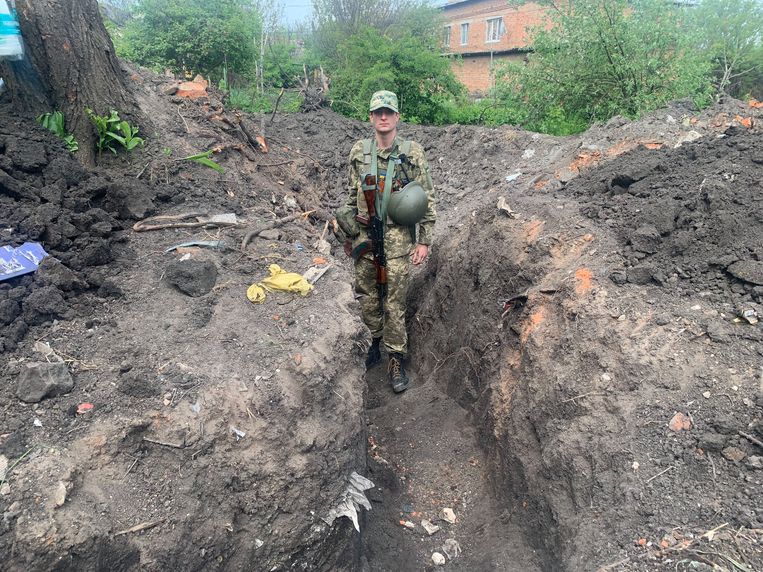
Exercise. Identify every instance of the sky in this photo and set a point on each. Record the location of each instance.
(295, 11)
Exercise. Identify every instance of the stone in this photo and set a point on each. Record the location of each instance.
(270, 234)
(748, 270)
(754, 462)
(646, 239)
(641, 274)
(53, 273)
(734, 454)
(9, 311)
(192, 277)
(448, 515)
(438, 559)
(59, 495)
(679, 422)
(713, 442)
(429, 527)
(39, 380)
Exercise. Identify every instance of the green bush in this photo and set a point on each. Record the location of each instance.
(199, 36)
(605, 58)
(407, 65)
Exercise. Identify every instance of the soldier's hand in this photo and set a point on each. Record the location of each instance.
(419, 254)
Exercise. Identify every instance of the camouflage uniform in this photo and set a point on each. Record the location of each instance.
(399, 241)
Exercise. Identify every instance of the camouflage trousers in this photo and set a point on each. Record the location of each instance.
(388, 322)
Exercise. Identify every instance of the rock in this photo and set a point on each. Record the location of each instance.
(646, 239)
(39, 380)
(754, 462)
(448, 515)
(641, 274)
(618, 276)
(192, 277)
(438, 559)
(429, 527)
(679, 422)
(662, 320)
(52, 272)
(270, 234)
(44, 304)
(9, 311)
(748, 270)
(59, 495)
(733, 454)
(713, 442)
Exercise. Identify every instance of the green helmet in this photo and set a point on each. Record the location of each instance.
(408, 205)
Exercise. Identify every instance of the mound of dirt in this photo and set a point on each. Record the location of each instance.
(587, 365)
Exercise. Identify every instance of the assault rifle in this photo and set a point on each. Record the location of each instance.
(376, 236)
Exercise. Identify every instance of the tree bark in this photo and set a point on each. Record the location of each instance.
(69, 64)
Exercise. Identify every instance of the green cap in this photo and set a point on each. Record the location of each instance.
(384, 99)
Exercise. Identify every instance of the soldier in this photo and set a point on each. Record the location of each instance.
(397, 173)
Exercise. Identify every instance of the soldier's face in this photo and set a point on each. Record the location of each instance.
(384, 120)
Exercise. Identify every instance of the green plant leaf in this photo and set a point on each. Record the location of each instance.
(209, 163)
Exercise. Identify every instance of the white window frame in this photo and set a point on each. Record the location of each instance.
(464, 33)
(446, 37)
(494, 30)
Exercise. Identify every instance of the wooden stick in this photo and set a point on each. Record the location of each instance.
(275, 107)
(751, 439)
(139, 527)
(650, 479)
(165, 444)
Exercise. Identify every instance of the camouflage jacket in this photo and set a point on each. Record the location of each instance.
(398, 240)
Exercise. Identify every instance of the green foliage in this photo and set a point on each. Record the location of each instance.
(731, 33)
(409, 65)
(203, 159)
(201, 36)
(54, 122)
(112, 130)
(604, 58)
(248, 99)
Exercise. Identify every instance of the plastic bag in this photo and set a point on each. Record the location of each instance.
(10, 34)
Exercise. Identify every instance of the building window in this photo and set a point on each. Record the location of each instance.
(464, 34)
(446, 37)
(494, 30)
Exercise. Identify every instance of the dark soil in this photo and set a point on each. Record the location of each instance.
(550, 352)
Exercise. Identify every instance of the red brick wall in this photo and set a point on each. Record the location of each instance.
(474, 72)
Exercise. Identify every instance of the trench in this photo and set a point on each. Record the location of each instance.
(466, 434)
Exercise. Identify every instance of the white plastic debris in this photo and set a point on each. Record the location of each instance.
(258, 543)
(409, 525)
(513, 176)
(37, 422)
(448, 515)
(452, 548)
(429, 527)
(438, 559)
(706, 394)
(528, 154)
(238, 433)
(351, 500)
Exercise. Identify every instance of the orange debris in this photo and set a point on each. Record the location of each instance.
(755, 103)
(746, 121)
(680, 422)
(193, 89)
(584, 277)
(532, 230)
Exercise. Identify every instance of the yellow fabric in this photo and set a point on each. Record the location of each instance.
(256, 294)
(278, 280)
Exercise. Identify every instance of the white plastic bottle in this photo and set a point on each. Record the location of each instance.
(10, 35)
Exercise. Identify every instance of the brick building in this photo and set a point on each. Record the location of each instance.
(484, 32)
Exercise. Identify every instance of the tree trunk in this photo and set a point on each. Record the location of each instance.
(69, 65)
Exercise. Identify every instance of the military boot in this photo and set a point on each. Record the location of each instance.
(374, 353)
(396, 371)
